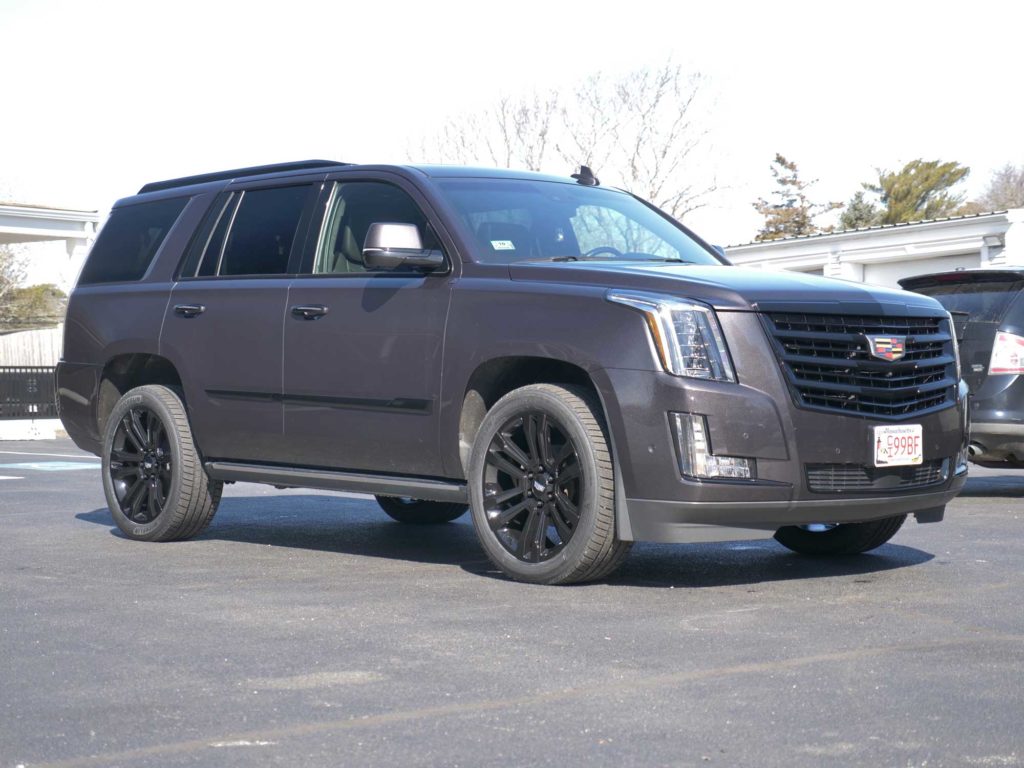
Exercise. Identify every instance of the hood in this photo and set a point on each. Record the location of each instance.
(727, 288)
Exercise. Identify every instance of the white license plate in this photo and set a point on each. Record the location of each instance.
(898, 446)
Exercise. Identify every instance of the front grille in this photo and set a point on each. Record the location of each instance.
(828, 365)
(847, 478)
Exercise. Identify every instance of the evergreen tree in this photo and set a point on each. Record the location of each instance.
(859, 213)
(790, 213)
(920, 190)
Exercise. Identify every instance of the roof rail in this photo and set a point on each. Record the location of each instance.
(256, 170)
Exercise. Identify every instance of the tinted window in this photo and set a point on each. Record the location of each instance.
(260, 239)
(524, 219)
(215, 244)
(985, 302)
(202, 236)
(354, 207)
(129, 241)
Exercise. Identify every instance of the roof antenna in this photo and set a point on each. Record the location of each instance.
(586, 177)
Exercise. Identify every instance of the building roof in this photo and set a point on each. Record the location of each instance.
(871, 229)
(40, 207)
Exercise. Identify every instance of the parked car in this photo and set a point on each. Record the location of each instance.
(988, 309)
(574, 365)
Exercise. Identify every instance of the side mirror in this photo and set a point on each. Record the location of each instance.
(389, 245)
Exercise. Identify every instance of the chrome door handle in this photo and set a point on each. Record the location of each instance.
(189, 310)
(309, 311)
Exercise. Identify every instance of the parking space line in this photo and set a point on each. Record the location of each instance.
(84, 456)
(51, 466)
(10, 477)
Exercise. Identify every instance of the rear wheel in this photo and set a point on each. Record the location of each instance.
(824, 539)
(419, 512)
(153, 478)
(542, 487)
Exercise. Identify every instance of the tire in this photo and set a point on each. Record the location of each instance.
(153, 478)
(544, 510)
(419, 512)
(843, 539)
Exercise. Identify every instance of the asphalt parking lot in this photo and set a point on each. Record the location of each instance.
(307, 629)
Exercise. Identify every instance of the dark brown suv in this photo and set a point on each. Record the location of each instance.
(571, 363)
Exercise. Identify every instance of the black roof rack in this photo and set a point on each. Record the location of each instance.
(256, 170)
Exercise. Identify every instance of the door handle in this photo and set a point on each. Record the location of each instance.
(189, 310)
(309, 311)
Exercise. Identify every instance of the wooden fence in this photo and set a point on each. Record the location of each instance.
(32, 348)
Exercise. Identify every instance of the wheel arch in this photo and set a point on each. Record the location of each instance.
(497, 376)
(127, 371)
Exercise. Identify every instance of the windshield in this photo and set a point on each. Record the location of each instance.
(516, 220)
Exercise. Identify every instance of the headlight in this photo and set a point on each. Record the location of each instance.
(685, 333)
(956, 346)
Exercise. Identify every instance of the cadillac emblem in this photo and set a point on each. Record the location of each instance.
(887, 347)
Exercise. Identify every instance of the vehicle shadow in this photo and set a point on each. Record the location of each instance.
(356, 526)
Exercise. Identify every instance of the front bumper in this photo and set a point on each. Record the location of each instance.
(758, 418)
(683, 521)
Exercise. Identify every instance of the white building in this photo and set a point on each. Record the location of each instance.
(37, 224)
(882, 255)
(45, 229)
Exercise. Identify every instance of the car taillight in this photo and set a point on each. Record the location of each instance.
(1007, 354)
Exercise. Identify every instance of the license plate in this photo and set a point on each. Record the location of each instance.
(898, 446)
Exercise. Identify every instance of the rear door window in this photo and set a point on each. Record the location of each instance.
(249, 232)
(261, 235)
(129, 240)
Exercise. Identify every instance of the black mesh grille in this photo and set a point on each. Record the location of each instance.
(829, 365)
(846, 478)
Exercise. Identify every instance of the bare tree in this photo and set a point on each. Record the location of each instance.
(640, 130)
(513, 133)
(1005, 189)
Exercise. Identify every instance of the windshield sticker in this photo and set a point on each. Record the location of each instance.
(503, 245)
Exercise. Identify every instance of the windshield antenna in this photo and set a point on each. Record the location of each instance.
(586, 177)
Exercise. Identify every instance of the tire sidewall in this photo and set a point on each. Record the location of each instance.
(144, 396)
(569, 556)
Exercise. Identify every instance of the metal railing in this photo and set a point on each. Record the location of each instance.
(28, 392)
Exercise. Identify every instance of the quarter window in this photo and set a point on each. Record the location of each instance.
(129, 241)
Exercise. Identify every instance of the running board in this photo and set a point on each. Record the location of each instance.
(382, 485)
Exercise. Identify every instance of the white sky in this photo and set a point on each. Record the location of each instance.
(101, 97)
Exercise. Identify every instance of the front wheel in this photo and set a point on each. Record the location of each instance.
(542, 487)
(823, 539)
(153, 478)
(419, 512)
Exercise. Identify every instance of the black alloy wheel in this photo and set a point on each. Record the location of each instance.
(153, 477)
(542, 486)
(141, 465)
(532, 484)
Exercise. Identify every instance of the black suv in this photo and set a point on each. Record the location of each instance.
(568, 361)
(988, 311)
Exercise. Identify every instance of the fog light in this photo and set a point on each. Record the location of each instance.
(695, 456)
